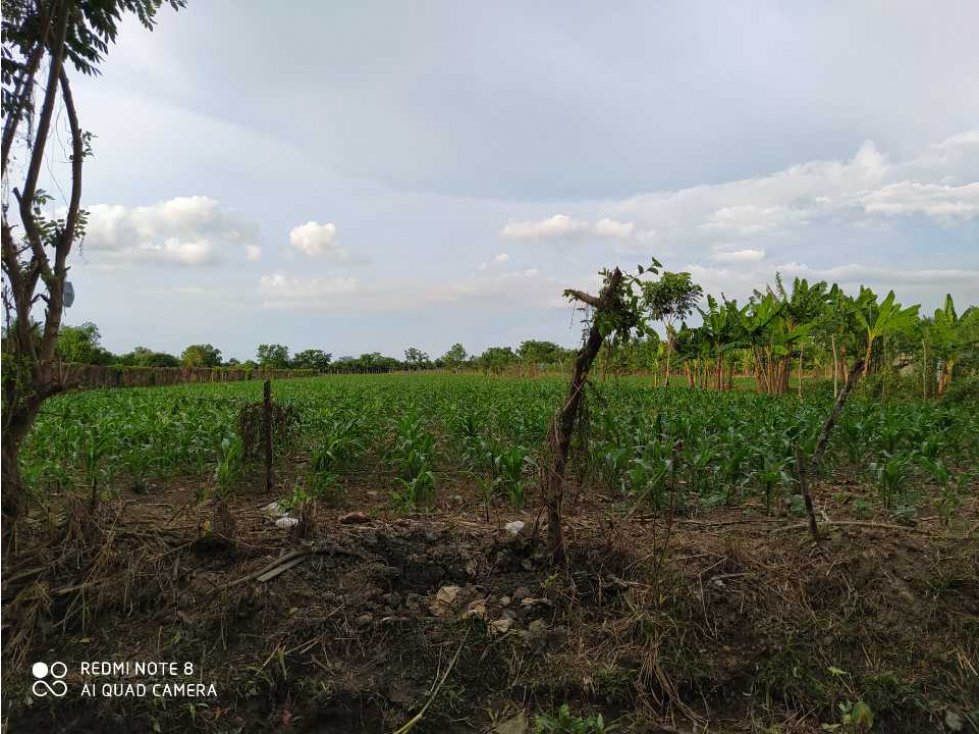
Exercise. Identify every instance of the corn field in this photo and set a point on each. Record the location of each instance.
(413, 435)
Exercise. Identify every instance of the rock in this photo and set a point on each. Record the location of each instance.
(476, 608)
(413, 602)
(364, 620)
(354, 518)
(393, 599)
(285, 523)
(520, 594)
(445, 599)
(501, 625)
(274, 510)
(515, 527)
(531, 602)
(537, 631)
(504, 601)
(954, 721)
(526, 564)
(518, 724)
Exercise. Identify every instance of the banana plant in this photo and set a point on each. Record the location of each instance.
(950, 336)
(879, 319)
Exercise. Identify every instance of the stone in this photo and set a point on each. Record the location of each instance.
(954, 721)
(354, 518)
(285, 523)
(274, 510)
(476, 608)
(445, 599)
(501, 625)
(515, 527)
(518, 724)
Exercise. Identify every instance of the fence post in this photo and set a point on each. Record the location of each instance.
(267, 433)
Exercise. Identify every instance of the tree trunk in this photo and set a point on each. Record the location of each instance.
(801, 352)
(17, 424)
(562, 427)
(836, 367)
(924, 370)
(867, 356)
(823, 440)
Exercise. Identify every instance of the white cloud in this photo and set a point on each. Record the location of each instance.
(317, 240)
(942, 184)
(286, 291)
(563, 227)
(519, 289)
(739, 256)
(938, 201)
(253, 252)
(186, 230)
(501, 258)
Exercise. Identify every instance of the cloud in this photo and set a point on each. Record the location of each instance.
(739, 256)
(862, 274)
(563, 227)
(286, 291)
(317, 240)
(501, 258)
(941, 202)
(185, 230)
(940, 184)
(517, 289)
(738, 280)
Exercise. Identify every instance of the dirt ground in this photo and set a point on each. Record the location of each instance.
(727, 621)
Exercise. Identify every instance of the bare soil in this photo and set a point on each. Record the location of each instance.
(722, 621)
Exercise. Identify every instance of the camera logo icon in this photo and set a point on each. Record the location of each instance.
(49, 679)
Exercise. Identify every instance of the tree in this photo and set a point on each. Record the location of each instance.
(80, 345)
(616, 315)
(455, 357)
(146, 357)
(272, 356)
(542, 353)
(496, 359)
(311, 359)
(38, 38)
(416, 358)
(669, 299)
(201, 355)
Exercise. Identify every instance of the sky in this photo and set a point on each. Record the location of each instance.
(374, 176)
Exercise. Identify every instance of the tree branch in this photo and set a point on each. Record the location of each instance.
(583, 297)
(26, 198)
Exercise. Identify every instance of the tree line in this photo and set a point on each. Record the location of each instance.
(83, 345)
(780, 335)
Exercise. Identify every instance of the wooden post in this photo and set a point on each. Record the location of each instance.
(267, 433)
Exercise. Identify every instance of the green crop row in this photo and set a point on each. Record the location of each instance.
(644, 444)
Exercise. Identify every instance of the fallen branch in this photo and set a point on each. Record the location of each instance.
(283, 563)
(875, 525)
(413, 721)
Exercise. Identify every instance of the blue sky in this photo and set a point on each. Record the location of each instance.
(372, 176)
